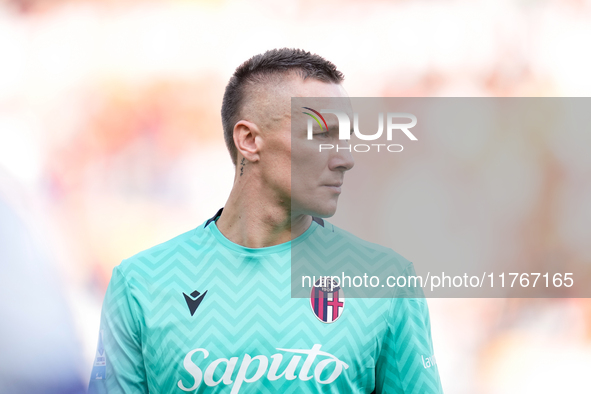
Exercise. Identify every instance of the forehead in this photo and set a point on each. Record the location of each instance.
(310, 99)
(314, 88)
(317, 96)
(269, 104)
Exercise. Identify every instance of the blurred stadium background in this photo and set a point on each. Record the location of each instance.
(111, 142)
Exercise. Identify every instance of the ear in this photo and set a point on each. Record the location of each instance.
(247, 138)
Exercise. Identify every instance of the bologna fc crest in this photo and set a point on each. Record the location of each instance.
(327, 300)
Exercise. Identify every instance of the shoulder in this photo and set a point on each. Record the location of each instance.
(364, 267)
(184, 247)
(344, 242)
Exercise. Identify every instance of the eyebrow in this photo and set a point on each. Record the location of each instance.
(336, 127)
(333, 126)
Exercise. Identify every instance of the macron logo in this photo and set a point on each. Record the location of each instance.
(194, 300)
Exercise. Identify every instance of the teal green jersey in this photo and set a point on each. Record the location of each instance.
(200, 314)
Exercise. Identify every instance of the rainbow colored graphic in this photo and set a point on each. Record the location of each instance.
(315, 118)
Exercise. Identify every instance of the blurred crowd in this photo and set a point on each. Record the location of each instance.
(111, 142)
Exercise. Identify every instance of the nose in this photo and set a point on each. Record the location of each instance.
(342, 159)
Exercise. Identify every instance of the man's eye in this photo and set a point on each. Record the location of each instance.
(322, 135)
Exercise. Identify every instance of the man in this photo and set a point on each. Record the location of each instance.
(210, 310)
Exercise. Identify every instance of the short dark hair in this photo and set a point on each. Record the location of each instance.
(258, 69)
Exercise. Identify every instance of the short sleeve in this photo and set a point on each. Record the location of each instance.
(407, 363)
(119, 365)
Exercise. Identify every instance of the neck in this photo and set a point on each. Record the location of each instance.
(256, 217)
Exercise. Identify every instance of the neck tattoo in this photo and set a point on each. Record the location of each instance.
(242, 164)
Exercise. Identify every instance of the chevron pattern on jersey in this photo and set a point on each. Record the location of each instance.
(152, 343)
(334, 252)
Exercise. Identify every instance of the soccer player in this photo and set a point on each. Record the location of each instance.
(210, 311)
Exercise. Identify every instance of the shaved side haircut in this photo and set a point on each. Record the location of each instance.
(263, 68)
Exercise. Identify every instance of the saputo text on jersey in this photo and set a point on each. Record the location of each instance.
(263, 362)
